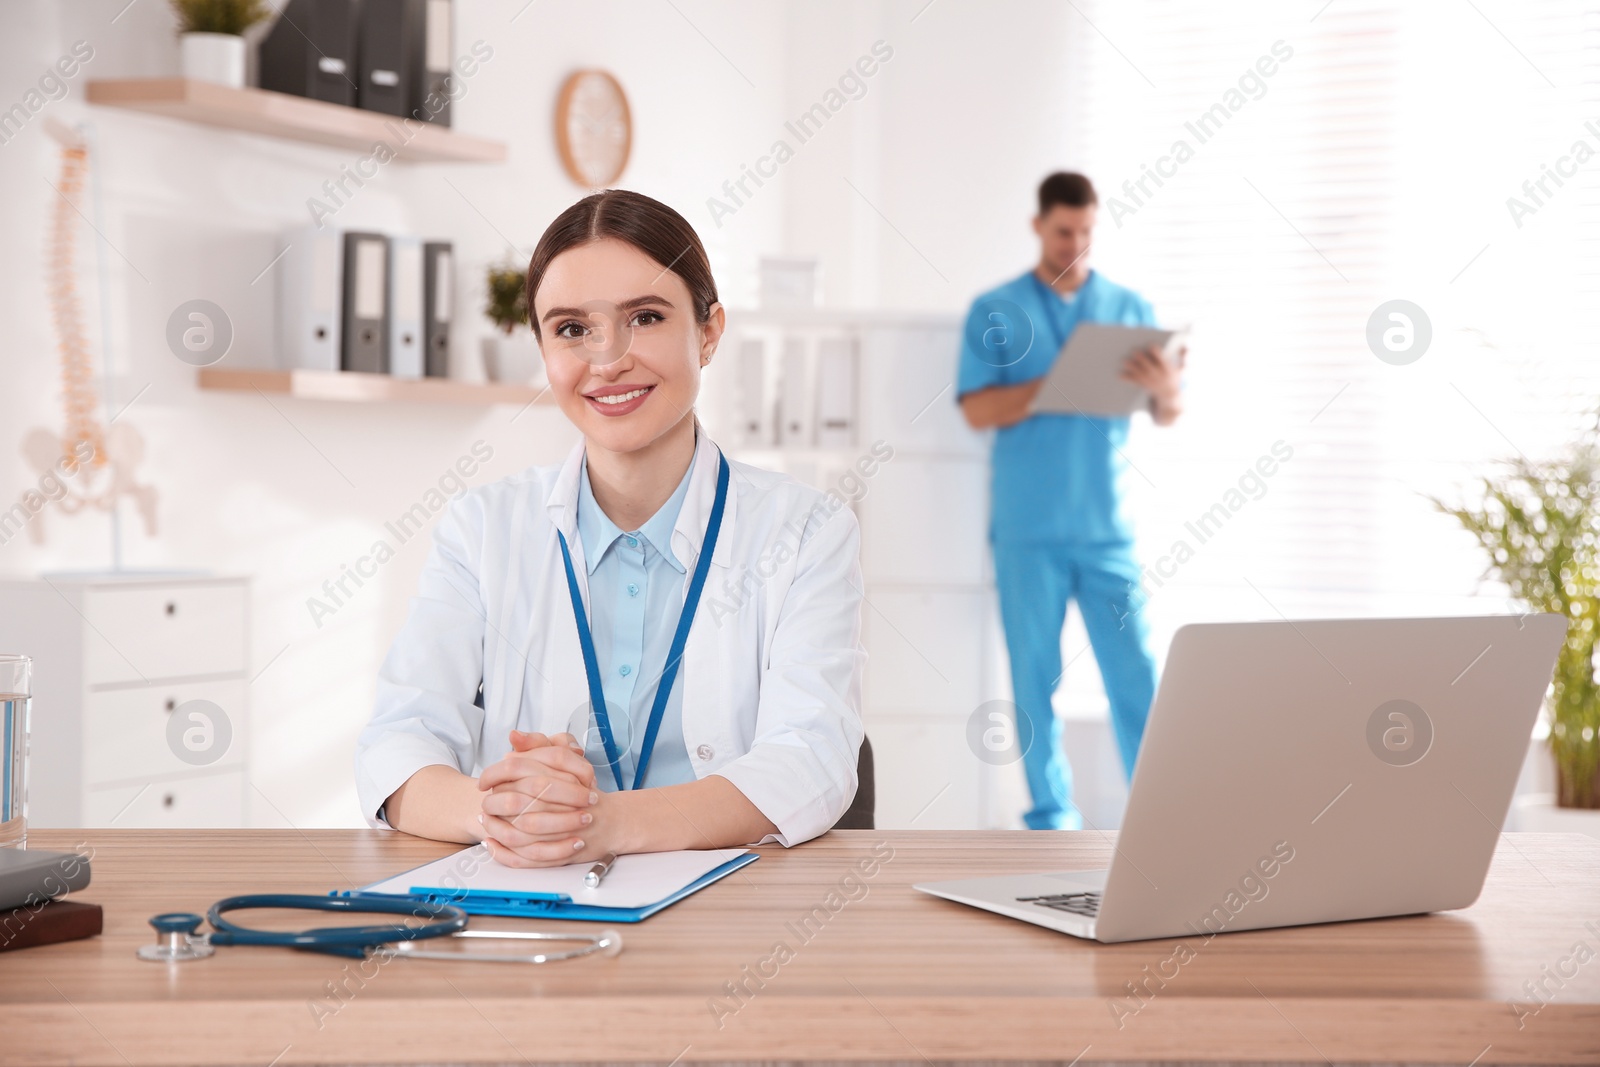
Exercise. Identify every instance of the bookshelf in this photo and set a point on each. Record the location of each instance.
(293, 118)
(357, 387)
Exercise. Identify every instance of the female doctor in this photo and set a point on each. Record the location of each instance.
(564, 590)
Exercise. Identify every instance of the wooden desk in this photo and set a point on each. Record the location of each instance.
(891, 975)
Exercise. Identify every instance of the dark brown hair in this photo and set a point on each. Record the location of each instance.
(643, 222)
(1066, 188)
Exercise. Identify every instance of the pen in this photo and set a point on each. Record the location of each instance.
(599, 870)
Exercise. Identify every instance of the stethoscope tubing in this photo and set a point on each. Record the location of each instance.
(349, 941)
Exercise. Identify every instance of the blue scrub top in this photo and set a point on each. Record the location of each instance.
(1054, 478)
(636, 590)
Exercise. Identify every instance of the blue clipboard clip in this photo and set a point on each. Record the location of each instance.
(481, 900)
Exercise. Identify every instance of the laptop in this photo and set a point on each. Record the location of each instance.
(1311, 771)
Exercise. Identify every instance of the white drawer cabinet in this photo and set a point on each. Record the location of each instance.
(119, 662)
(129, 730)
(171, 630)
(206, 800)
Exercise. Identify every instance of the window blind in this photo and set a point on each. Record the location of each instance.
(1270, 175)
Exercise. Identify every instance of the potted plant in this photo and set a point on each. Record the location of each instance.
(510, 354)
(211, 36)
(1539, 522)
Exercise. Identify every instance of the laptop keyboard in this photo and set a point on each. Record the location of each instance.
(1086, 904)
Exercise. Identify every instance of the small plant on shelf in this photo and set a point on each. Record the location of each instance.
(219, 16)
(211, 45)
(510, 354)
(1539, 523)
(508, 299)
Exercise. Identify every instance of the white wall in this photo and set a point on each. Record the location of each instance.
(925, 198)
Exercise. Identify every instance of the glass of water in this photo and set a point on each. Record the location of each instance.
(16, 700)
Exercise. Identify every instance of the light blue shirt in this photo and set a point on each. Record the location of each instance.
(636, 588)
(1054, 478)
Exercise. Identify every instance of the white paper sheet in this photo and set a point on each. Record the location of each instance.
(634, 881)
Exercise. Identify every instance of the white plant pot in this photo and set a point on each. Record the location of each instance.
(514, 360)
(1537, 813)
(213, 57)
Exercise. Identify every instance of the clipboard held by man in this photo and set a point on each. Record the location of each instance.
(1092, 373)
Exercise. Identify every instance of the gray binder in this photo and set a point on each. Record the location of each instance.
(364, 343)
(438, 53)
(311, 51)
(388, 76)
(438, 295)
(406, 49)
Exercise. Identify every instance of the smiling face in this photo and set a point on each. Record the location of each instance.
(621, 345)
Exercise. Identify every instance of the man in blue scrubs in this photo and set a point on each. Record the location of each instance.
(1056, 522)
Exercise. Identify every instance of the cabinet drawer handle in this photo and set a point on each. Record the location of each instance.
(167, 799)
(172, 607)
(172, 704)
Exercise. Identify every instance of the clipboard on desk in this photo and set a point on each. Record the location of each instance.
(1086, 378)
(637, 886)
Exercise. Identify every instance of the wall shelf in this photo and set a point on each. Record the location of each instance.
(293, 118)
(370, 388)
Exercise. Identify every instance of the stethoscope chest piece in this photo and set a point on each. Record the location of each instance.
(177, 939)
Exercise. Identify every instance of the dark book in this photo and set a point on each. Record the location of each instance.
(46, 924)
(311, 51)
(405, 51)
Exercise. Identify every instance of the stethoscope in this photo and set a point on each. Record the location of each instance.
(179, 940)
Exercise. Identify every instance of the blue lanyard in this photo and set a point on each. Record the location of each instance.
(591, 662)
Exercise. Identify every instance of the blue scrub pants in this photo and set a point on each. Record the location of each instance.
(1035, 582)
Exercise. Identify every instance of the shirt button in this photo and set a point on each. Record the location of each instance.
(633, 542)
(633, 590)
(624, 670)
(705, 752)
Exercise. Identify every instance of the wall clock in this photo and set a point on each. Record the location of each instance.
(594, 128)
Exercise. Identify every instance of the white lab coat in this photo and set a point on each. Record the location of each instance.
(771, 673)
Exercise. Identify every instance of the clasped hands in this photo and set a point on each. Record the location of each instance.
(541, 807)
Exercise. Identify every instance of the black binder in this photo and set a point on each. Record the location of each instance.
(311, 51)
(438, 54)
(438, 294)
(406, 51)
(364, 335)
